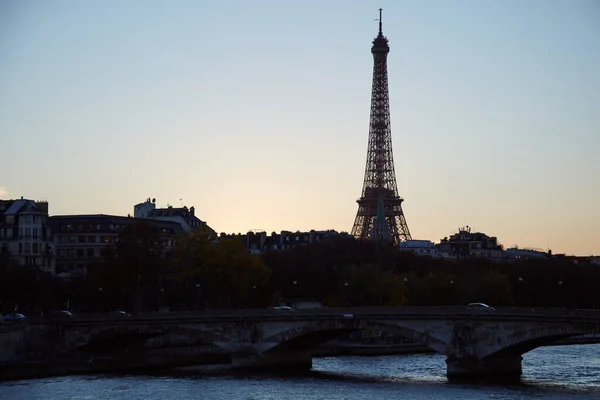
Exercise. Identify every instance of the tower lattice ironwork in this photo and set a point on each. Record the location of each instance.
(380, 213)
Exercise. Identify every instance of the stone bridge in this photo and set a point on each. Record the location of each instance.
(473, 343)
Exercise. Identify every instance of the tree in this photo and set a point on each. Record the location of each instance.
(220, 272)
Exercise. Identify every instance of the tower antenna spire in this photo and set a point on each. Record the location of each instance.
(380, 29)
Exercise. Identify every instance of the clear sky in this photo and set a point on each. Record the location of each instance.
(257, 112)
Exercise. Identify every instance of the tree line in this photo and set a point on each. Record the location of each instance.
(200, 272)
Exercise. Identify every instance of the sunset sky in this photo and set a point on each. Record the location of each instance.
(257, 112)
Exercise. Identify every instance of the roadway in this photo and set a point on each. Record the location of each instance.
(410, 312)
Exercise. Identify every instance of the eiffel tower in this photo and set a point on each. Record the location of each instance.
(380, 215)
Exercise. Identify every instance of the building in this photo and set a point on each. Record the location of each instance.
(186, 217)
(260, 242)
(25, 234)
(420, 248)
(83, 239)
(515, 253)
(468, 244)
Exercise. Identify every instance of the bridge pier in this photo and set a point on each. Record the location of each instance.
(296, 360)
(494, 367)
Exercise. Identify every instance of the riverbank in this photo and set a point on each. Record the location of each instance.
(98, 365)
(149, 364)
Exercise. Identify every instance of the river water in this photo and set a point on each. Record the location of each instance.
(562, 372)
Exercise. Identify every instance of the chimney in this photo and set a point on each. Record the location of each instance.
(192, 210)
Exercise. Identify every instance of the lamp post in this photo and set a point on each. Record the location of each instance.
(520, 299)
(197, 296)
(295, 291)
(345, 294)
(561, 296)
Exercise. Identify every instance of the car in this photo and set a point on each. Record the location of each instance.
(121, 313)
(480, 308)
(62, 314)
(282, 308)
(14, 317)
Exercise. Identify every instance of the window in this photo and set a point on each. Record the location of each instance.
(90, 252)
(80, 253)
(62, 253)
(81, 239)
(35, 233)
(63, 239)
(20, 248)
(72, 239)
(91, 239)
(35, 248)
(26, 248)
(1, 233)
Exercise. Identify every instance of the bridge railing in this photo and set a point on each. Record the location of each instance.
(433, 312)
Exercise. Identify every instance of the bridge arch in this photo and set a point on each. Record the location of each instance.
(521, 342)
(310, 335)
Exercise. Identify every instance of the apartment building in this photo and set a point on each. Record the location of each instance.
(84, 239)
(25, 234)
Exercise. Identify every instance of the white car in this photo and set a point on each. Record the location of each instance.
(282, 308)
(480, 307)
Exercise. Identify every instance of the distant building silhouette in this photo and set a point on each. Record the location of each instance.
(260, 242)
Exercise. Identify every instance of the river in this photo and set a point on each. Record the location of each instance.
(561, 372)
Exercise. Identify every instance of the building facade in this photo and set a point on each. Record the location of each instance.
(186, 217)
(420, 248)
(25, 234)
(81, 240)
(468, 244)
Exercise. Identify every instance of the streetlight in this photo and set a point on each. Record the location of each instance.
(197, 295)
(520, 291)
(561, 293)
